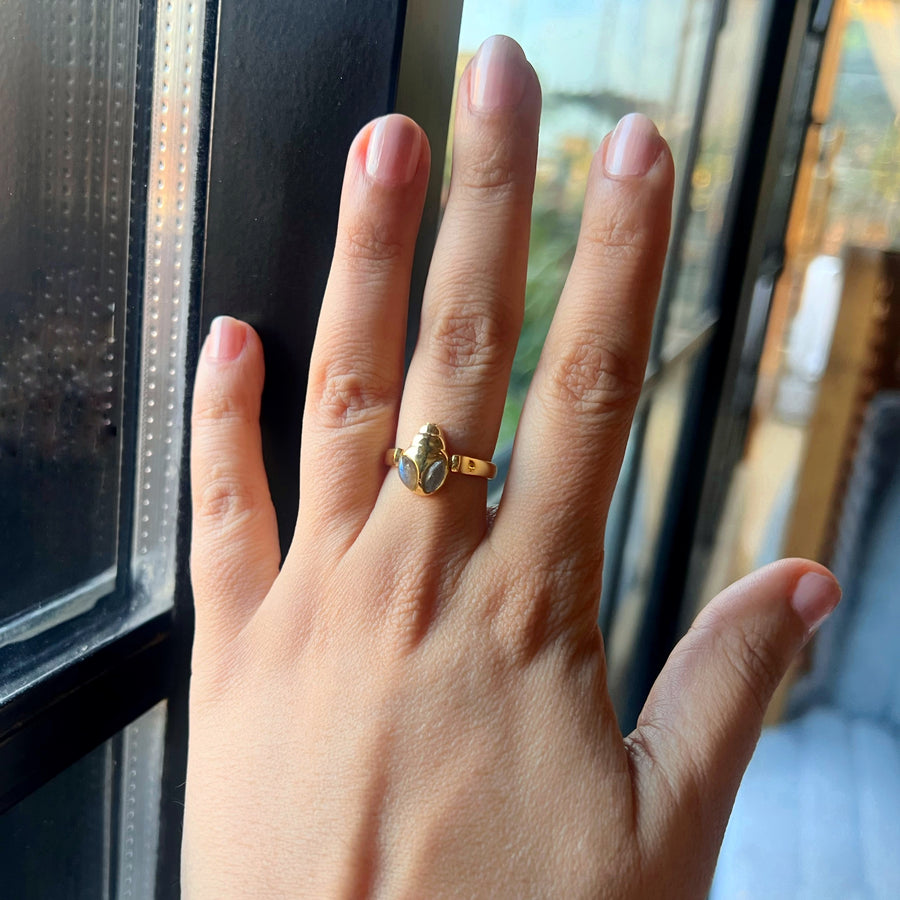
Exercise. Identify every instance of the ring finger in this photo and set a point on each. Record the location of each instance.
(474, 298)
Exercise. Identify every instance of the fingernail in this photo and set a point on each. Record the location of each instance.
(633, 147)
(814, 598)
(393, 152)
(226, 338)
(498, 77)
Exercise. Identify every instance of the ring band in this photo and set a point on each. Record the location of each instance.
(424, 466)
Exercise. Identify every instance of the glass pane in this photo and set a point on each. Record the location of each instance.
(644, 521)
(817, 811)
(732, 76)
(861, 152)
(833, 299)
(99, 156)
(93, 830)
(67, 88)
(596, 62)
(171, 201)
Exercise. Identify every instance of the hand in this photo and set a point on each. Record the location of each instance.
(415, 704)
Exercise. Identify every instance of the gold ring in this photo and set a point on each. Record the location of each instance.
(424, 466)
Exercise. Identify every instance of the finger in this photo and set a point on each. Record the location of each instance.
(473, 303)
(356, 372)
(579, 408)
(700, 724)
(234, 540)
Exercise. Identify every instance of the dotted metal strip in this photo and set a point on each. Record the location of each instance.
(171, 195)
(139, 804)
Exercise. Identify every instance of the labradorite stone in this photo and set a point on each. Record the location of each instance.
(408, 472)
(434, 476)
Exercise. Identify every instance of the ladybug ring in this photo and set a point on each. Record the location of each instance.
(424, 466)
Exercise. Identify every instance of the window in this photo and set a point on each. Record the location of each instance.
(71, 85)
(815, 432)
(99, 164)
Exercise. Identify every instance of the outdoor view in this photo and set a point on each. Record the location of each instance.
(848, 196)
(643, 55)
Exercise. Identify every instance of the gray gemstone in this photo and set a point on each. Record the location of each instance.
(434, 476)
(409, 475)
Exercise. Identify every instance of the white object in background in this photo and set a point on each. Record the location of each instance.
(810, 338)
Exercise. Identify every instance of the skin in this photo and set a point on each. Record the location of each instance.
(414, 704)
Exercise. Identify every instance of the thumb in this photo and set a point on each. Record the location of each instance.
(700, 724)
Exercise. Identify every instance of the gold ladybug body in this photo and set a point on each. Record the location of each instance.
(425, 465)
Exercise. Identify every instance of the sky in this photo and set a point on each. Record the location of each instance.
(583, 46)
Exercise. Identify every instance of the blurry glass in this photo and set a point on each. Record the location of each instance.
(847, 195)
(732, 77)
(67, 89)
(596, 63)
(645, 518)
(820, 478)
(92, 831)
(100, 138)
(862, 172)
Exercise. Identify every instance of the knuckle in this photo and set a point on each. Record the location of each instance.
(524, 625)
(366, 244)
(526, 616)
(345, 396)
(224, 496)
(458, 341)
(755, 664)
(491, 174)
(470, 343)
(596, 380)
(214, 407)
(612, 237)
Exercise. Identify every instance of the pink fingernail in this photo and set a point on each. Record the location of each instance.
(226, 338)
(498, 76)
(814, 599)
(392, 156)
(633, 147)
